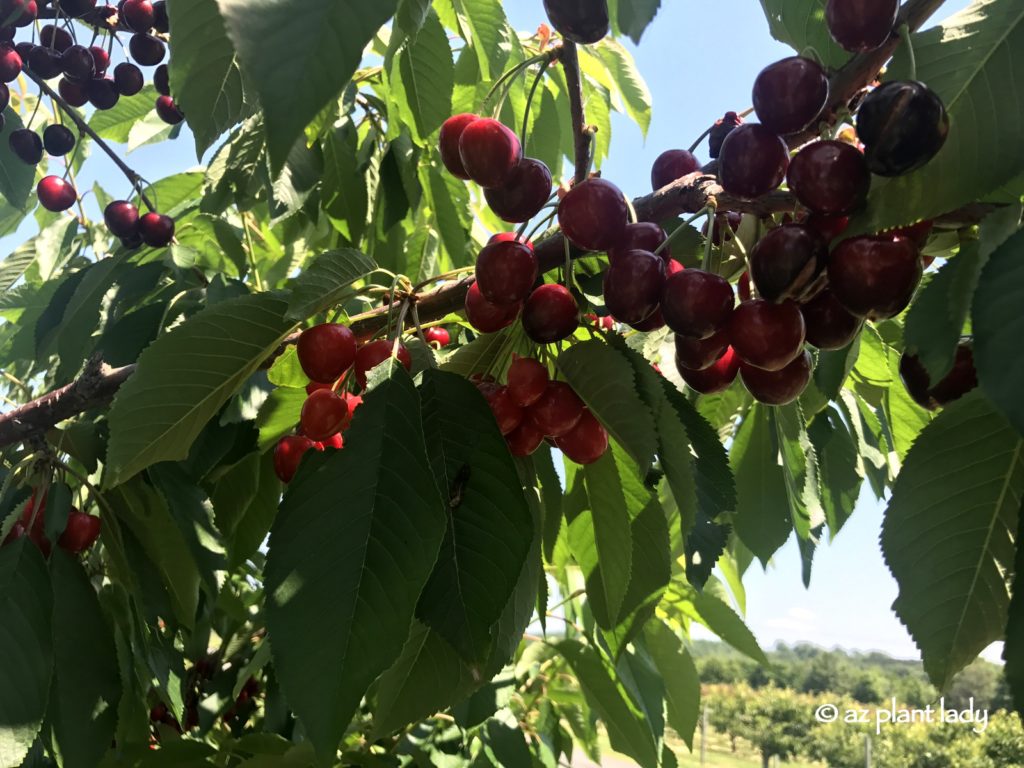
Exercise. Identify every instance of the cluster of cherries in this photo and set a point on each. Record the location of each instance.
(80, 532)
(531, 408)
(238, 713)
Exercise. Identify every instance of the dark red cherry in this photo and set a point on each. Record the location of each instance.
(101, 59)
(875, 276)
(147, 50)
(829, 324)
(77, 8)
(448, 143)
(5, 96)
(778, 387)
(58, 38)
(633, 285)
(122, 218)
(720, 131)
(288, 455)
(698, 354)
(918, 233)
(550, 314)
(696, 303)
(557, 411)
(672, 165)
(642, 236)
(103, 93)
(582, 21)
(506, 272)
(586, 442)
(128, 78)
(732, 220)
(376, 352)
(743, 286)
(335, 441)
(485, 316)
(861, 25)
(168, 110)
(58, 140)
(523, 194)
(23, 49)
(55, 194)
(73, 93)
(790, 94)
(754, 161)
(323, 413)
(45, 62)
(326, 351)
(717, 377)
(27, 10)
(903, 124)
(527, 380)
(162, 80)
(507, 237)
(156, 229)
(77, 63)
(506, 412)
(161, 20)
(830, 178)
(958, 382)
(593, 215)
(787, 260)
(525, 439)
(489, 152)
(767, 335)
(26, 145)
(80, 532)
(137, 14)
(829, 227)
(437, 337)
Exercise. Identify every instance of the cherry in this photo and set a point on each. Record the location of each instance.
(642, 236)
(753, 162)
(156, 229)
(323, 413)
(132, 243)
(326, 351)
(829, 324)
(23, 49)
(448, 143)
(720, 131)
(28, 11)
(903, 125)
(77, 63)
(957, 383)
(129, 79)
(767, 335)
(829, 227)
(508, 415)
(354, 401)
(698, 354)
(485, 316)
(102, 93)
(489, 152)
(696, 303)
(288, 455)
(507, 237)
(653, 322)
(168, 110)
(717, 377)
(506, 271)
(607, 322)
(875, 276)
(672, 165)
(525, 439)
(743, 286)
(732, 220)
(861, 25)
(161, 20)
(787, 260)
(790, 94)
(17, 531)
(437, 336)
(778, 387)
(557, 410)
(829, 177)
(80, 533)
(137, 14)
(55, 37)
(593, 215)
(146, 50)
(918, 233)
(315, 386)
(101, 59)
(582, 21)
(586, 442)
(373, 354)
(26, 145)
(55, 194)
(73, 93)
(77, 8)
(45, 62)
(633, 285)
(58, 140)
(5, 96)
(523, 194)
(162, 80)
(550, 314)
(527, 380)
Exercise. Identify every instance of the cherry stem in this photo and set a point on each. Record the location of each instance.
(678, 230)
(710, 239)
(583, 136)
(904, 32)
(542, 223)
(533, 91)
(515, 71)
(700, 139)
(568, 277)
(814, 54)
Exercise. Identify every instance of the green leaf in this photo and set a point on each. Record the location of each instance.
(82, 315)
(428, 76)
(837, 455)
(628, 82)
(87, 684)
(299, 54)
(484, 27)
(26, 647)
(212, 244)
(998, 326)
(800, 24)
(16, 177)
(682, 683)
(173, 194)
(800, 469)
(326, 281)
(185, 376)
(116, 124)
(345, 197)
(506, 745)
(1013, 648)
(717, 616)
(352, 547)
(279, 415)
(635, 16)
(948, 534)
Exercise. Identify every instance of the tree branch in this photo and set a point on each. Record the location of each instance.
(582, 134)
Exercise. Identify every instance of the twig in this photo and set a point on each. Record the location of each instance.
(582, 135)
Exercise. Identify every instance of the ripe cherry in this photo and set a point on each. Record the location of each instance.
(103, 93)
(829, 324)
(45, 62)
(373, 354)
(717, 377)
(778, 387)
(54, 37)
(787, 260)
(720, 131)
(698, 354)
(128, 78)
(861, 25)
(633, 285)
(55, 194)
(732, 220)
(754, 161)
(27, 10)
(162, 80)
(80, 533)
(593, 215)
(903, 125)
(506, 271)
(101, 59)
(672, 165)
(146, 50)
(448, 143)
(550, 314)
(790, 94)
(958, 382)
(485, 316)
(23, 49)
(137, 14)
(508, 415)
(767, 335)
(288, 455)
(335, 441)
(437, 337)
(875, 276)
(509, 237)
(156, 229)
(77, 63)
(918, 233)
(642, 236)
(354, 401)
(168, 110)
(73, 93)
(829, 227)
(582, 21)
(696, 303)
(26, 145)
(557, 410)
(323, 413)
(77, 8)
(58, 140)
(523, 194)
(5, 96)
(830, 178)
(326, 351)
(586, 442)
(525, 439)
(743, 286)
(527, 380)
(489, 152)
(161, 20)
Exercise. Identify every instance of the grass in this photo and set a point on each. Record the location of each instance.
(718, 754)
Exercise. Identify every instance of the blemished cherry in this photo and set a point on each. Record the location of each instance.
(26, 145)
(527, 380)
(54, 37)
(156, 229)
(717, 377)
(753, 162)
(720, 131)
(790, 94)
(525, 439)
(633, 285)
(168, 110)
(137, 14)
(485, 316)
(525, 192)
(326, 351)
(696, 303)
(767, 335)
(861, 25)
(101, 59)
(875, 276)
(642, 236)
(505, 272)
(161, 20)
(586, 442)
(288, 455)
(489, 152)
(45, 62)
(732, 221)
(80, 533)
(903, 125)
(557, 410)
(508, 415)
(958, 382)
(373, 354)
(323, 413)
(787, 260)
(146, 49)
(437, 336)
(128, 78)
(103, 93)
(121, 218)
(77, 63)
(550, 314)
(698, 354)
(829, 227)
(778, 387)
(448, 143)
(162, 80)
(58, 140)
(830, 178)
(829, 324)
(56, 194)
(582, 21)
(671, 165)
(593, 215)
(73, 93)
(335, 441)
